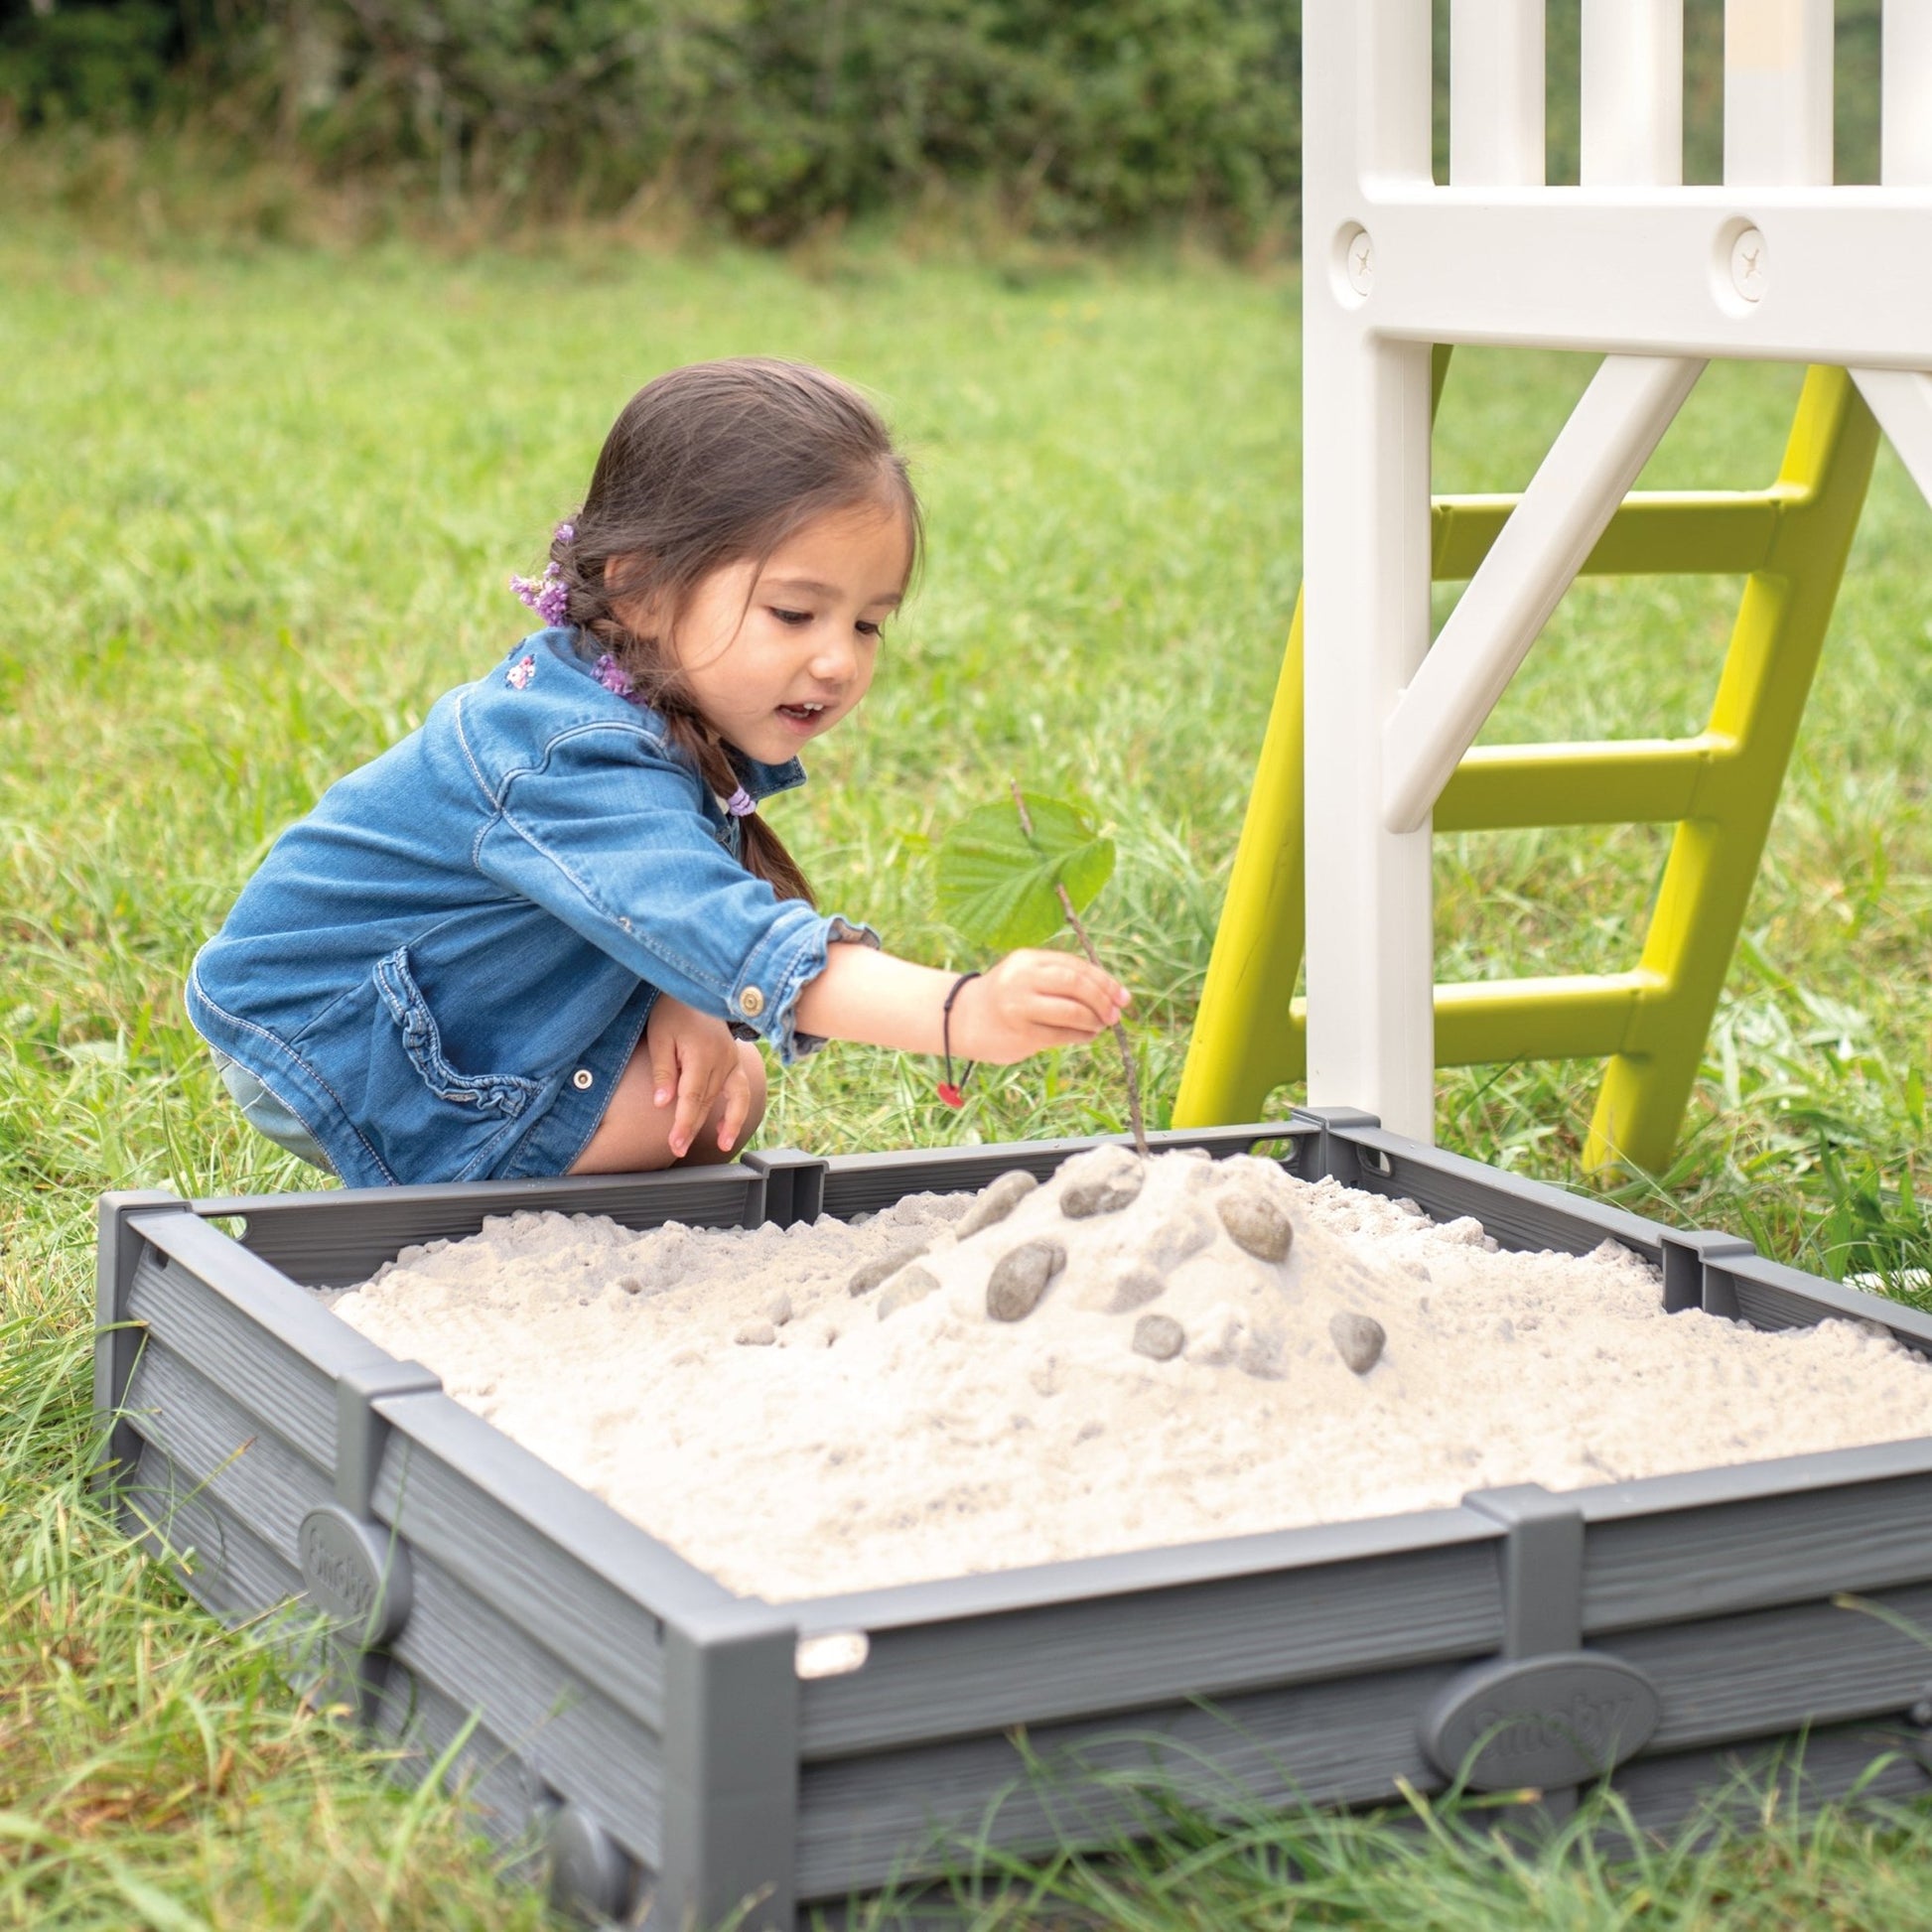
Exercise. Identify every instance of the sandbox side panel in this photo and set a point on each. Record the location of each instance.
(335, 1238)
(1126, 1650)
(864, 1822)
(1825, 1532)
(426, 1728)
(225, 1565)
(1735, 1679)
(1519, 1213)
(546, 1557)
(863, 1184)
(226, 1341)
(575, 1739)
(1726, 1788)
(223, 1450)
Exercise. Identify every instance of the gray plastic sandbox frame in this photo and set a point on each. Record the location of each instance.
(656, 1725)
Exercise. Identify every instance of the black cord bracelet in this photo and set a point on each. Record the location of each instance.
(952, 1091)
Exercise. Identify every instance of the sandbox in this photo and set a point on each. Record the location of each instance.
(693, 1743)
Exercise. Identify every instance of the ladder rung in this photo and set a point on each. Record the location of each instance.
(1656, 533)
(1581, 1016)
(1620, 781)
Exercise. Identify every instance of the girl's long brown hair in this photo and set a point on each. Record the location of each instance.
(712, 465)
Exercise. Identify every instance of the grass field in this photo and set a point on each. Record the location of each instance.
(258, 512)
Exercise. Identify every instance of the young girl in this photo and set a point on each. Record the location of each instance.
(539, 936)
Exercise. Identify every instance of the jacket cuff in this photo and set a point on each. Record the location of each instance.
(766, 996)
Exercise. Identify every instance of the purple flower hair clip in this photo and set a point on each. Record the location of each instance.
(548, 596)
(615, 678)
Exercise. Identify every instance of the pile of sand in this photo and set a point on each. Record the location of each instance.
(1113, 1361)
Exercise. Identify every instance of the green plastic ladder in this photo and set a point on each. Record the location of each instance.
(1719, 788)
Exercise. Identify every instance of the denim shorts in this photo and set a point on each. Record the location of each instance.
(267, 1115)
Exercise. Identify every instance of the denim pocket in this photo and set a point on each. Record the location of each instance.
(506, 1094)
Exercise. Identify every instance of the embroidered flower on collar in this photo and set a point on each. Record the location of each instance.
(519, 674)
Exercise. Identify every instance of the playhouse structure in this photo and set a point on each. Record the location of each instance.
(1777, 263)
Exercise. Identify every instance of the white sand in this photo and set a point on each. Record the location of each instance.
(847, 1452)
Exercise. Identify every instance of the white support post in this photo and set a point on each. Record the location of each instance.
(1901, 399)
(1633, 92)
(1777, 92)
(1366, 550)
(1631, 402)
(1497, 93)
(1905, 123)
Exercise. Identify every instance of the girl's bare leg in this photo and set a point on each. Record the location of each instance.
(635, 1134)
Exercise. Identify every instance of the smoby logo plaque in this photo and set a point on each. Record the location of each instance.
(355, 1572)
(1543, 1720)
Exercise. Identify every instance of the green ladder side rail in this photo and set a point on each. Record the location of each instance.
(1719, 787)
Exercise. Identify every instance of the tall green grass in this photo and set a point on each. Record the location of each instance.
(259, 511)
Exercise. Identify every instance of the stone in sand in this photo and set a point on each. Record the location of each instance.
(1102, 1181)
(1136, 1287)
(1256, 1225)
(1358, 1339)
(869, 1274)
(1020, 1279)
(1160, 1337)
(910, 1284)
(998, 1198)
(757, 1335)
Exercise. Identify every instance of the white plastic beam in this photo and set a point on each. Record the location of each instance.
(1631, 402)
(1902, 403)
(1906, 120)
(1777, 92)
(1366, 551)
(1844, 274)
(1632, 92)
(1497, 93)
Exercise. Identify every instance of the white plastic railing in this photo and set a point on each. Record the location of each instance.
(1657, 278)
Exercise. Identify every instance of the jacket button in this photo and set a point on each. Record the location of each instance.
(583, 1079)
(750, 1003)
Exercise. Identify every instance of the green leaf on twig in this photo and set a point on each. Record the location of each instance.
(998, 883)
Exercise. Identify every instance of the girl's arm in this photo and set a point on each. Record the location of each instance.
(1028, 1001)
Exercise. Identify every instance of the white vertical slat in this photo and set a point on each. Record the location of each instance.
(1633, 93)
(1496, 101)
(1366, 538)
(1777, 93)
(1905, 126)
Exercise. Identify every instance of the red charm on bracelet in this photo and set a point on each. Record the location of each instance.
(952, 1091)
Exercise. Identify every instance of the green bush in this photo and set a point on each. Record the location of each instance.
(103, 64)
(1077, 116)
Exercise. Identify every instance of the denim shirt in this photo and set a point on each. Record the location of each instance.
(445, 967)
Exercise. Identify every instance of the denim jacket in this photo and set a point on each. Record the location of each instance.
(444, 968)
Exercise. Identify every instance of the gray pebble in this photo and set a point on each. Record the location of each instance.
(910, 1284)
(1255, 1224)
(757, 1335)
(1101, 1181)
(1020, 1279)
(1358, 1339)
(997, 1199)
(869, 1274)
(1160, 1337)
(1136, 1288)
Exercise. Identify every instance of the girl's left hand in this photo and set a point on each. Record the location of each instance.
(694, 1059)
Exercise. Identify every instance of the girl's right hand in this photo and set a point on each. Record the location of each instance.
(1033, 999)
